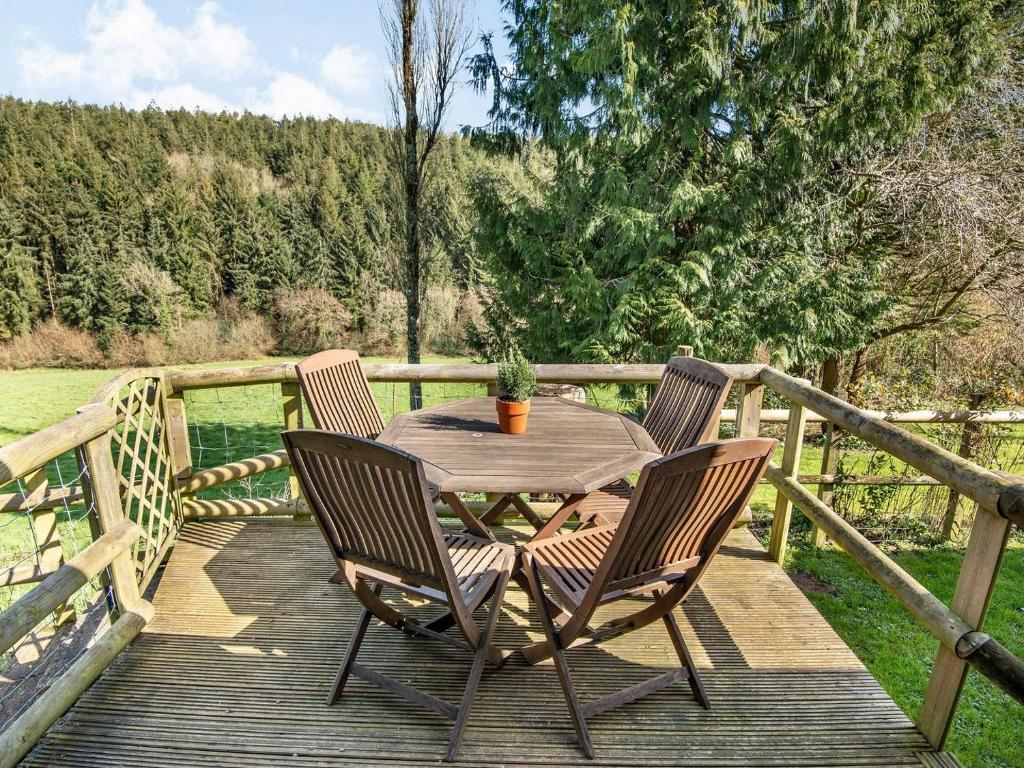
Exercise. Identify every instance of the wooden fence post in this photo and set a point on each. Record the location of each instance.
(829, 465)
(970, 602)
(790, 468)
(106, 497)
(291, 403)
(177, 432)
(952, 523)
(748, 424)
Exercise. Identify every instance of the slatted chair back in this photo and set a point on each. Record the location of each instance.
(687, 405)
(682, 509)
(338, 395)
(372, 504)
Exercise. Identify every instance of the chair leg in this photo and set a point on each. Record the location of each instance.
(558, 655)
(479, 659)
(350, 653)
(685, 659)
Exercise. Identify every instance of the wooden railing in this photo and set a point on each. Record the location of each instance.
(1000, 498)
(88, 431)
(117, 492)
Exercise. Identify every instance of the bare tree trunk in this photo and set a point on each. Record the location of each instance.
(411, 178)
(858, 371)
(430, 47)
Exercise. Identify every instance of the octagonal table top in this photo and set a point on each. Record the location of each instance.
(568, 447)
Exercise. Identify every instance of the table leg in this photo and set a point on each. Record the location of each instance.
(490, 517)
(473, 525)
(560, 517)
(523, 508)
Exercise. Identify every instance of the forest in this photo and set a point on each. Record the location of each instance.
(838, 194)
(152, 236)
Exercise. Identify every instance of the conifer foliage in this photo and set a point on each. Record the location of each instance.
(117, 221)
(702, 186)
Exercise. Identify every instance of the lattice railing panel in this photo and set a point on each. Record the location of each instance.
(141, 451)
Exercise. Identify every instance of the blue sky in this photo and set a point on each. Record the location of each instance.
(275, 57)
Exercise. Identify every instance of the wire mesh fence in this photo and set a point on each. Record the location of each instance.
(910, 508)
(47, 518)
(234, 423)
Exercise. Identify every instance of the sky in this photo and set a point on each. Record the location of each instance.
(275, 57)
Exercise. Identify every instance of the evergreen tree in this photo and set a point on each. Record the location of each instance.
(690, 146)
(20, 300)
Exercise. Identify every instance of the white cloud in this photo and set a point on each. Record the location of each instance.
(44, 66)
(291, 95)
(350, 69)
(126, 44)
(128, 55)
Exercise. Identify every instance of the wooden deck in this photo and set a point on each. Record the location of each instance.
(235, 667)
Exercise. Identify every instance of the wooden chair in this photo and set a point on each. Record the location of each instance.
(337, 393)
(685, 412)
(374, 509)
(683, 507)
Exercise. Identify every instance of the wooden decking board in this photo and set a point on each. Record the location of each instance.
(233, 672)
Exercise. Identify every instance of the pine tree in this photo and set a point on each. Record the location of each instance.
(20, 300)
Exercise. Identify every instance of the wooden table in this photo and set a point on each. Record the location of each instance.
(569, 449)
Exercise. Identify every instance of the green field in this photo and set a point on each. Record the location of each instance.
(235, 423)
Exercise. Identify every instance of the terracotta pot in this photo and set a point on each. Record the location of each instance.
(512, 416)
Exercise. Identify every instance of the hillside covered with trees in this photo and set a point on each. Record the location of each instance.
(172, 231)
(839, 193)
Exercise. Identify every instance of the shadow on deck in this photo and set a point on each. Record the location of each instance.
(248, 634)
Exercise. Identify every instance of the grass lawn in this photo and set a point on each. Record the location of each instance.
(989, 728)
(230, 424)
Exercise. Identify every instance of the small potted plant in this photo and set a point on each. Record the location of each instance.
(516, 384)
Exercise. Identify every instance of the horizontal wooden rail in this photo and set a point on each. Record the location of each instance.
(236, 470)
(212, 477)
(989, 489)
(995, 662)
(196, 508)
(867, 480)
(781, 416)
(22, 733)
(51, 499)
(35, 450)
(21, 574)
(547, 373)
(57, 588)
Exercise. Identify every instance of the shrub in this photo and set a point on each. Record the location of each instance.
(196, 341)
(128, 350)
(517, 381)
(51, 344)
(249, 336)
(383, 324)
(309, 320)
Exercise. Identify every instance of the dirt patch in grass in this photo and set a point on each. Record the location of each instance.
(808, 583)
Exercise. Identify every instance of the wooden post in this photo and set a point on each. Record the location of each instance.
(49, 555)
(970, 602)
(748, 414)
(748, 424)
(684, 350)
(829, 464)
(179, 445)
(291, 403)
(106, 496)
(790, 468)
(952, 523)
(177, 433)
